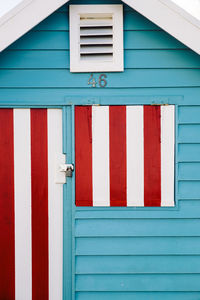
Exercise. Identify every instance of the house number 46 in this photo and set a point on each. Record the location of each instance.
(102, 82)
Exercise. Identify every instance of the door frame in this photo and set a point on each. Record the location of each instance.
(68, 207)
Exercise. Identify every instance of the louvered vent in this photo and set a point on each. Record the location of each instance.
(96, 37)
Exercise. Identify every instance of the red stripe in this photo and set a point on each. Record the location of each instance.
(83, 145)
(39, 181)
(7, 244)
(117, 155)
(152, 156)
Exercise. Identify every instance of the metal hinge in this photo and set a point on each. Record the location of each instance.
(67, 169)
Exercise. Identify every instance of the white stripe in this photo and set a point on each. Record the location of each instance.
(135, 156)
(167, 155)
(55, 198)
(100, 156)
(22, 177)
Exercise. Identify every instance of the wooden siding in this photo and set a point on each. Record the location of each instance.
(130, 254)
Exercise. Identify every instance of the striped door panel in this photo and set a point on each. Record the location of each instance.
(30, 205)
(124, 155)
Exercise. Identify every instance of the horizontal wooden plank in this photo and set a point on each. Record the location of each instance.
(35, 59)
(189, 114)
(127, 79)
(189, 152)
(186, 209)
(133, 40)
(138, 246)
(138, 227)
(137, 264)
(189, 133)
(138, 295)
(50, 59)
(161, 59)
(189, 171)
(189, 189)
(57, 96)
(172, 282)
(132, 21)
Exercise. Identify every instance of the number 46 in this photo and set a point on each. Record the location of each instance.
(101, 81)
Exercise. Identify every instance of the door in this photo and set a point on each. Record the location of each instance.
(31, 204)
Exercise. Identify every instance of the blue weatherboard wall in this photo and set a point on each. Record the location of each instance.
(130, 254)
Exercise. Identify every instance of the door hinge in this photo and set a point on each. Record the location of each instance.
(67, 169)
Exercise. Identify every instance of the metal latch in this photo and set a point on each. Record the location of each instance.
(67, 168)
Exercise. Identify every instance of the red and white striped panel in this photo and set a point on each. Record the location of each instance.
(30, 205)
(124, 155)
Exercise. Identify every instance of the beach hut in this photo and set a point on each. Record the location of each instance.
(99, 151)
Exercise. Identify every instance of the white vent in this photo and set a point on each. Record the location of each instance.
(96, 38)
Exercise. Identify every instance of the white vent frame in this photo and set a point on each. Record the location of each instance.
(116, 64)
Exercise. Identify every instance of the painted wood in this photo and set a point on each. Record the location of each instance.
(138, 295)
(115, 165)
(47, 40)
(179, 19)
(153, 282)
(138, 246)
(97, 62)
(167, 155)
(117, 155)
(189, 171)
(135, 156)
(39, 194)
(56, 97)
(189, 152)
(189, 114)
(100, 154)
(188, 133)
(83, 154)
(137, 264)
(136, 228)
(31, 220)
(55, 205)
(149, 49)
(149, 58)
(160, 12)
(68, 207)
(23, 229)
(142, 78)
(187, 209)
(7, 226)
(188, 189)
(152, 156)
(29, 15)
(133, 21)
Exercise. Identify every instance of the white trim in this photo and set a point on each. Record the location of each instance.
(24, 20)
(22, 175)
(100, 156)
(117, 62)
(55, 198)
(181, 11)
(14, 11)
(135, 156)
(172, 20)
(167, 155)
